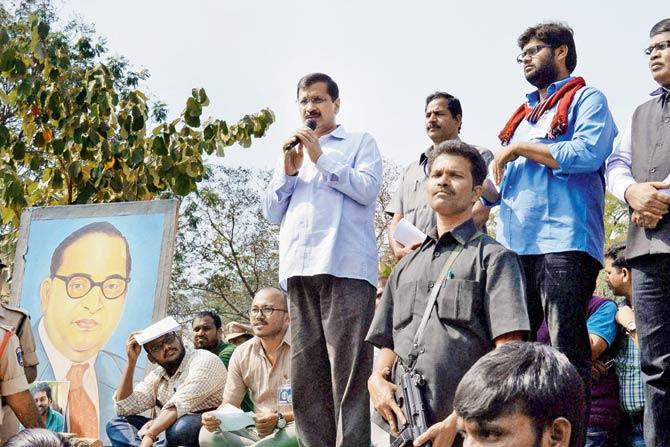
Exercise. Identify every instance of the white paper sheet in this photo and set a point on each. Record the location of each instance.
(408, 234)
(232, 418)
(159, 328)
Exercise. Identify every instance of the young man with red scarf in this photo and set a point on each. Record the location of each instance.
(550, 174)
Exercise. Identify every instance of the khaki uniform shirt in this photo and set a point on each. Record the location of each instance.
(12, 377)
(196, 386)
(19, 321)
(250, 369)
(411, 199)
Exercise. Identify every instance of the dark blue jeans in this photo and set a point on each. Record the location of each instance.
(651, 298)
(558, 288)
(122, 431)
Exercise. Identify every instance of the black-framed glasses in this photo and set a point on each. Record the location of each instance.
(266, 311)
(169, 338)
(530, 52)
(78, 285)
(659, 46)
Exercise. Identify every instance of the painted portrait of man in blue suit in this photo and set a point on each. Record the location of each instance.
(82, 301)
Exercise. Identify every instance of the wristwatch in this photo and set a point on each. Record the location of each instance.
(630, 326)
(281, 422)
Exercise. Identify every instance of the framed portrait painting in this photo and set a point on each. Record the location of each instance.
(89, 275)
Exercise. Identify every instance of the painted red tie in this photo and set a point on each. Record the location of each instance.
(83, 415)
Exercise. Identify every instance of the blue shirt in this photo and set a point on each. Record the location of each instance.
(602, 323)
(327, 211)
(544, 210)
(55, 421)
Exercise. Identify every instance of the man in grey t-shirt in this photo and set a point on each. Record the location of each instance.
(444, 116)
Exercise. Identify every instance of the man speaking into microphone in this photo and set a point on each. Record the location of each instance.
(323, 194)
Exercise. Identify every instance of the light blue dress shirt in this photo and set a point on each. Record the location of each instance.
(327, 211)
(544, 210)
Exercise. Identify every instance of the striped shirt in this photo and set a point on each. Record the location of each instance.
(631, 389)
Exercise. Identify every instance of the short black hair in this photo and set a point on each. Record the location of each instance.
(531, 378)
(42, 387)
(617, 253)
(208, 313)
(554, 34)
(453, 104)
(313, 78)
(95, 227)
(661, 27)
(461, 149)
(37, 437)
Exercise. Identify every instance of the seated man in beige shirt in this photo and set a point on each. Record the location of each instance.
(262, 366)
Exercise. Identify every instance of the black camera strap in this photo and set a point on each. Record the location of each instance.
(432, 299)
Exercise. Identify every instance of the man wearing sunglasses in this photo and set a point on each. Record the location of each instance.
(82, 303)
(550, 173)
(261, 366)
(638, 174)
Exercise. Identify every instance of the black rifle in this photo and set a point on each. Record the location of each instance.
(408, 396)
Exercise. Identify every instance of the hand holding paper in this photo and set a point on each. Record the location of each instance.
(407, 234)
(232, 418)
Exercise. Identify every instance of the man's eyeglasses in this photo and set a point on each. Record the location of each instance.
(530, 52)
(167, 339)
(266, 311)
(659, 46)
(316, 100)
(79, 284)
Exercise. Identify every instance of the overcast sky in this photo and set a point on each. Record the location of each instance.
(386, 56)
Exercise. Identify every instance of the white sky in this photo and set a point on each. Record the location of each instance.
(386, 57)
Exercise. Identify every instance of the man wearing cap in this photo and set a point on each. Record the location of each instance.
(238, 333)
(13, 383)
(185, 383)
(19, 321)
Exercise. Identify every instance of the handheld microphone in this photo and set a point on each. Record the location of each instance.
(309, 123)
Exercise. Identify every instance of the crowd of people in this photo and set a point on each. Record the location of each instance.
(502, 340)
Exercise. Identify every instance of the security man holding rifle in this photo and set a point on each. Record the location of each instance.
(452, 300)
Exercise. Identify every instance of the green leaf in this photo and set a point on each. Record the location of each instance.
(138, 156)
(19, 150)
(193, 121)
(4, 136)
(58, 146)
(43, 30)
(116, 183)
(158, 146)
(57, 180)
(74, 169)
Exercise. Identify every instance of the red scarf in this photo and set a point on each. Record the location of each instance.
(560, 122)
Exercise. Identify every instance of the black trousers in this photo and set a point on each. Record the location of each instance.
(558, 289)
(651, 298)
(330, 360)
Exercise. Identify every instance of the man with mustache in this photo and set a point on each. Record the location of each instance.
(324, 194)
(444, 116)
(185, 383)
(208, 334)
(550, 173)
(51, 419)
(480, 303)
(638, 174)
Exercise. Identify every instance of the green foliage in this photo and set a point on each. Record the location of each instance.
(225, 250)
(76, 130)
